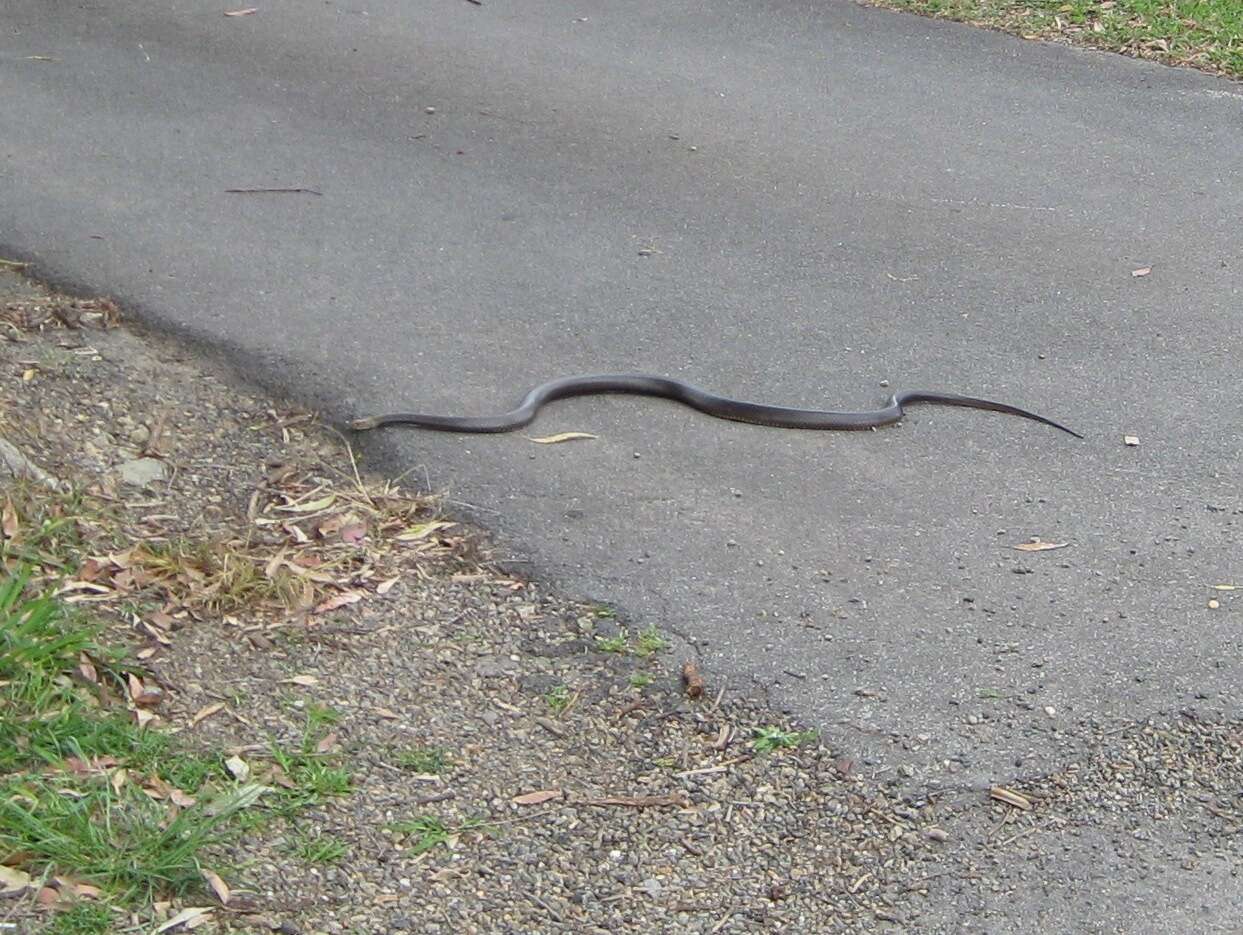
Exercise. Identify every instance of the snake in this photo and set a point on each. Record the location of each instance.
(720, 407)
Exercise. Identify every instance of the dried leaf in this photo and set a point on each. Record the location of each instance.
(1142, 271)
(118, 779)
(218, 886)
(536, 798)
(354, 533)
(386, 713)
(1038, 546)
(205, 712)
(181, 799)
(188, 917)
(87, 668)
(338, 600)
(13, 881)
(311, 506)
(306, 681)
(326, 743)
(385, 586)
(246, 12)
(238, 768)
(421, 531)
(1010, 797)
(561, 437)
(1228, 587)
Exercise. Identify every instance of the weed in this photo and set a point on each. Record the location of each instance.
(82, 918)
(429, 760)
(558, 699)
(429, 831)
(650, 642)
(641, 679)
(768, 739)
(320, 849)
(613, 644)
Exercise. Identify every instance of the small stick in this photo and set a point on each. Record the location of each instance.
(272, 191)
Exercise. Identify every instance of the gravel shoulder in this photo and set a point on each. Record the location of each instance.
(523, 761)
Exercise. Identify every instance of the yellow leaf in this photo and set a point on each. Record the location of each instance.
(13, 880)
(190, 918)
(421, 531)
(535, 798)
(385, 586)
(206, 712)
(218, 886)
(311, 506)
(1228, 587)
(562, 437)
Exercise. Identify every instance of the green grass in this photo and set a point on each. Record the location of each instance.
(613, 644)
(431, 761)
(82, 918)
(641, 679)
(558, 699)
(650, 642)
(1202, 33)
(768, 739)
(75, 771)
(320, 849)
(429, 832)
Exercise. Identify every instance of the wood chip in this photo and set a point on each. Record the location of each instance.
(1010, 797)
(537, 798)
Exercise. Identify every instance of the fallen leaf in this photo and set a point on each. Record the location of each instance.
(1010, 797)
(354, 534)
(13, 880)
(218, 886)
(326, 743)
(311, 506)
(338, 600)
(385, 586)
(1038, 546)
(692, 680)
(560, 437)
(535, 798)
(205, 712)
(421, 531)
(246, 12)
(1131, 441)
(386, 713)
(87, 668)
(118, 779)
(1142, 271)
(188, 917)
(237, 766)
(179, 798)
(1228, 587)
(306, 681)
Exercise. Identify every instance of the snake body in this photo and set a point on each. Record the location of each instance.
(721, 407)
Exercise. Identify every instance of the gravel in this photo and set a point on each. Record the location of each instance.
(583, 791)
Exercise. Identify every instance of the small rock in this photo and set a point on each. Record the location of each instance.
(936, 834)
(142, 472)
(651, 886)
(139, 435)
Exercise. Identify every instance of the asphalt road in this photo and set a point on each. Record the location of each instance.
(788, 202)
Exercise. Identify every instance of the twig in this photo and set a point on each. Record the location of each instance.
(271, 191)
(722, 923)
(557, 917)
(718, 768)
